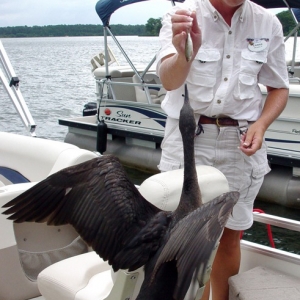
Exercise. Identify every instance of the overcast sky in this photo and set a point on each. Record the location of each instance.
(55, 12)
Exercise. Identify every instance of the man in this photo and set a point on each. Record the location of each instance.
(236, 45)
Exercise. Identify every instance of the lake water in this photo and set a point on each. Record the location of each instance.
(56, 81)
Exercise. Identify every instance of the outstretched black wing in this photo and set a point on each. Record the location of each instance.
(97, 198)
(193, 239)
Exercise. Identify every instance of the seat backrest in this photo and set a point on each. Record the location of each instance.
(164, 189)
(36, 158)
(149, 78)
(26, 249)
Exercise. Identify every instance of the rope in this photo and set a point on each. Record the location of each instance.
(269, 230)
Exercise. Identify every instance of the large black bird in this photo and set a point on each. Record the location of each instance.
(110, 214)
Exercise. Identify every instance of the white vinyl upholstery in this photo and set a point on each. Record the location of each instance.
(164, 189)
(156, 94)
(85, 283)
(23, 246)
(71, 283)
(36, 158)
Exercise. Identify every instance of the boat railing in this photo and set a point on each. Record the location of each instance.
(277, 221)
(271, 220)
(11, 84)
(107, 31)
(294, 34)
(256, 254)
(148, 90)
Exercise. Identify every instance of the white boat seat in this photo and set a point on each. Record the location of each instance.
(157, 94)
(86, 270)
(36, 158)
(27, 248)
(79, 278)
(119, 71)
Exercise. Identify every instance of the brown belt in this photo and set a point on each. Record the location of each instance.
(218, 121)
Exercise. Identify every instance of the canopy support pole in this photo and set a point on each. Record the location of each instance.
(13, 91)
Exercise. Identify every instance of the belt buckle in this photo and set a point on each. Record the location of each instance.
(217, 122)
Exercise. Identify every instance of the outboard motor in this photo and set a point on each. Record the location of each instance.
(89, 109)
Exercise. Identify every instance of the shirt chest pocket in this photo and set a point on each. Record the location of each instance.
(203, 73)
(251, 64)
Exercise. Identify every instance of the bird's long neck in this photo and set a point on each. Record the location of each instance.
(190, 190)
(191, 195)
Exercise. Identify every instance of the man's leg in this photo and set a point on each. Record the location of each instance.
(226, 264)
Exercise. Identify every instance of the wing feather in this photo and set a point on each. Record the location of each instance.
(96, 197)
(193, 239)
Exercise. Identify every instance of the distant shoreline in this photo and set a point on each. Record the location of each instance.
(284, 17)
(70, 30)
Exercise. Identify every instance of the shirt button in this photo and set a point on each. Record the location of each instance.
(227, 56)
(225, 79)
(219, 101)
(230, 32)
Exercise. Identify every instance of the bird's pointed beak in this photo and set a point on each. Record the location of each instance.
(186, 93)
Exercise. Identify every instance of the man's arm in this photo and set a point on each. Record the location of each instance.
(275, 103)
(174, 68)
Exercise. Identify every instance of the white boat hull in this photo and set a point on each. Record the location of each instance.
(135, 133)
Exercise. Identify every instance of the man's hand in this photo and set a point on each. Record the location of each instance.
(183, 22)
(275, 103)
(252, 140)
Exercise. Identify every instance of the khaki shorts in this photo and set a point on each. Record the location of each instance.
(218, 147)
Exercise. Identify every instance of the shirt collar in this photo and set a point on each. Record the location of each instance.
(242, 11)
(215, 14)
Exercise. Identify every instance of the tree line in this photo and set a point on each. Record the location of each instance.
(287, 21)
(151, 28)
(69, 30)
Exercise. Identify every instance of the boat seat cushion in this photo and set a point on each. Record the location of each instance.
(37, 158)
(119, 71)
(263, 283)
(164, 189)
(157, 94)
(84, 276)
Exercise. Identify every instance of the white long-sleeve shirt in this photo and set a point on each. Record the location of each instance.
(232, 60)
